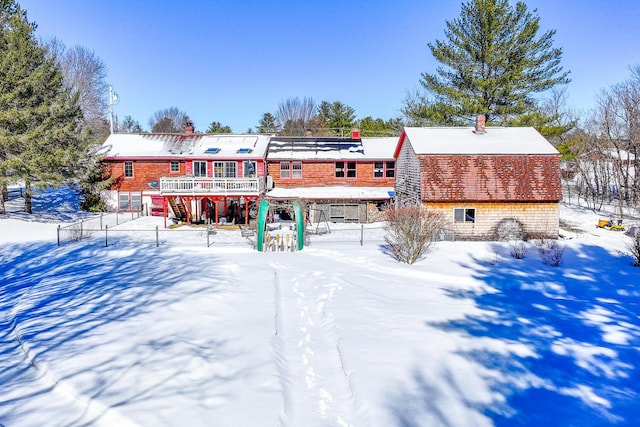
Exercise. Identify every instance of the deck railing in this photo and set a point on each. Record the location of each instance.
(195, 185)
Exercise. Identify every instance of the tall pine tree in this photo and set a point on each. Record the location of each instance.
(493, 63)
(40, 142)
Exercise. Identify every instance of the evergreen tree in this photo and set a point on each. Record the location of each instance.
(40, 142)
(129, 125)
(268, 124)
(217, 127)
(336, 118)
(493, 62)
(378, 127)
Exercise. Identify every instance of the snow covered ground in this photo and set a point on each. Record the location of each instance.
(337, 334)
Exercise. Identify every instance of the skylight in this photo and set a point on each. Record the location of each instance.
(244, 150)
(212, 150)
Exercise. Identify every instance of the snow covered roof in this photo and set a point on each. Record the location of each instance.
(463, 140)
(123, 145)
(333, 193)
(331, 148)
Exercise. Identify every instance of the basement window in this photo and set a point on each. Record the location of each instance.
(464, 215)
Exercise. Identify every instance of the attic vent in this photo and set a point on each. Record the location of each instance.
(244, 150)
(212, 150)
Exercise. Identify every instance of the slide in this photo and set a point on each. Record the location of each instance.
(262, 224)
(300, 226)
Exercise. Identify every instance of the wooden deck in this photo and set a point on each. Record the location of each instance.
(203, 186)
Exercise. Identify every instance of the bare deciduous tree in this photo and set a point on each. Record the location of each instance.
(295, 115)
(85, 74)
(169, 120)
(410, 230)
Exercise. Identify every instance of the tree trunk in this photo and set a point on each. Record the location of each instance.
(27, 197)
(5, 193)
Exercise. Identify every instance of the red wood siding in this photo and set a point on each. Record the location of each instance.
(322, 174)
(145, 171)
(490, 177)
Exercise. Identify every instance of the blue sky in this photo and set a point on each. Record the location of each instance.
(232, 61)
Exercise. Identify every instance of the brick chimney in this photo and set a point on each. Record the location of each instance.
(355, 133)
(189, 127)
(480, 119)
(308, 134)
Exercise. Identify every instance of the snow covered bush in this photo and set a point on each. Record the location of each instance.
(410, 230)
(550, 252)
(518, 249)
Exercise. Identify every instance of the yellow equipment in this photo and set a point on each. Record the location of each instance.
(609, 224)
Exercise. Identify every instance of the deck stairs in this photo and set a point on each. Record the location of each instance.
(178, 207)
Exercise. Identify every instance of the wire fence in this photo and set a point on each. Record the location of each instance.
(87, 226)
(110, 229)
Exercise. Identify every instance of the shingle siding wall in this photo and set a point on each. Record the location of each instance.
(143, 173)
(408, 175)
(538, 219)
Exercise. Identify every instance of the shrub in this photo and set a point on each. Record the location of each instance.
(518, 250)
(410, 230)
(633, 246)
(550, 252)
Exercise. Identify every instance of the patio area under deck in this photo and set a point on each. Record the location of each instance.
(184, 190)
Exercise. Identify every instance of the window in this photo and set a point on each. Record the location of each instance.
(296, 169)
(290, 169)
(230, 170)
(464, 215)
(199, 168)
(391, 169)
(128, 169)
(174, 166)
(378, 169)
(284, 170)
(339, 169)
(129, 201)
(351, 169)
(224, 170)
(249, 168)
(384, 169)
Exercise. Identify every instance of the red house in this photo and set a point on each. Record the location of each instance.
(198, 177)
(341, 179)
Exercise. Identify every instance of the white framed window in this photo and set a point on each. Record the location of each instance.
(285, 171)
(339, 169)
(129, 201)
(249, 168)
(296, 169)
(464, 215)
(200, 168)
(230, 170)
(174, 166)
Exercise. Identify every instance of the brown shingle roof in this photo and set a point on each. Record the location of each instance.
(490, 177)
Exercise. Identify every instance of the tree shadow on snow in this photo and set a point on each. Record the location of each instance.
(57, 300)
(557, 346)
